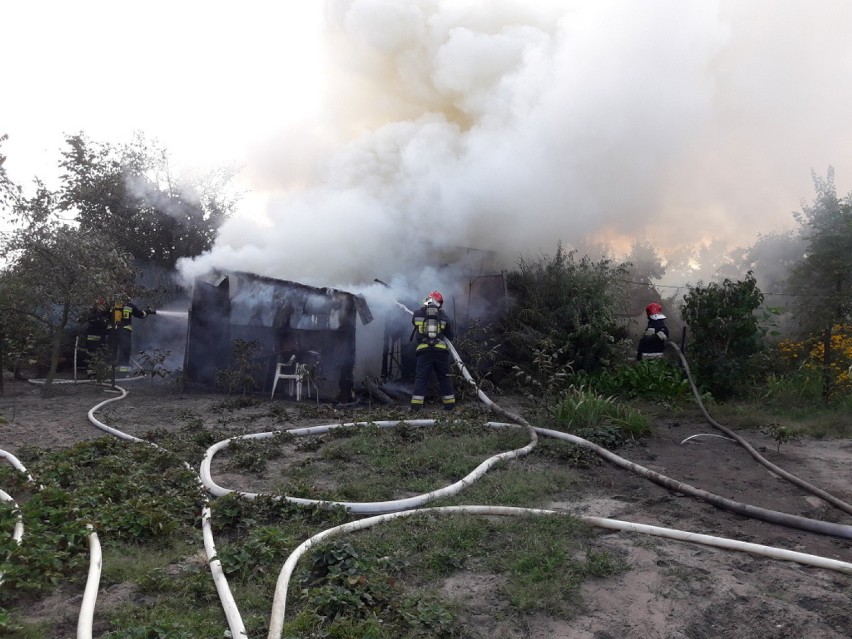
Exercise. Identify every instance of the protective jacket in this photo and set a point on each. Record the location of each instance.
(97, 323)
(652, 343)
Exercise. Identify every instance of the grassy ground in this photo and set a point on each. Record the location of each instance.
(383, 582)
(387, 581)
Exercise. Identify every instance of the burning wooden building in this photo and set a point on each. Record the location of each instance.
(281, 319)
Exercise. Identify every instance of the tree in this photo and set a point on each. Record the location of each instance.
(126, 193)
(9, 191)
(823, 277)
(703, 262)
(727, 335)
(54, 270)
(771, 258)
(644, 265)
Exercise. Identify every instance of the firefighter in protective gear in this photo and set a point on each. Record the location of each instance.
(653, 342)
(120, 327)
(431, 326)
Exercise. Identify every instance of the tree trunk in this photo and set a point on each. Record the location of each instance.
(826, 364)
(2, 358)
(56, 350)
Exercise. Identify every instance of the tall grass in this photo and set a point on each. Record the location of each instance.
(583, 410)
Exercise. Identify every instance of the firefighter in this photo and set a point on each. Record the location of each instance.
(97, 325)
(120, 327)
(653, 341)
(431, 326)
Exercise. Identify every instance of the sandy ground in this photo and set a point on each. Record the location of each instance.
(674, 589)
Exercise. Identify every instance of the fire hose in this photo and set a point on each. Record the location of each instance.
(280, 597)
(84, 627)
(410, 506)
(279, 600)
(395, 508)
(743, 509)
(90, 593)
(18, 530)
(801, 483)
(226, 598)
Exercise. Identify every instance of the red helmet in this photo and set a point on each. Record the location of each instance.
(653, 309)
(435, 295)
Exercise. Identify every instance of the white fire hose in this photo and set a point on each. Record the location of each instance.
(90, 594)
(87, 608)
(392, 509)
(801, 483)
(229, 605)
(399, 508)
(361, 508)
(18, 530)
(279, 602)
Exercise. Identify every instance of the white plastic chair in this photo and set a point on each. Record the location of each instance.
(294, 376)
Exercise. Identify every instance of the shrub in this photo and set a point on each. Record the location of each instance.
(565, 306)
(807, 360)
(727, 336)
(241, 375)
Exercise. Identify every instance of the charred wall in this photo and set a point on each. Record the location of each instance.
(317, 325)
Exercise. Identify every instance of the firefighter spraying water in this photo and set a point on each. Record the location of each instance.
(431, 326)
(109, 330)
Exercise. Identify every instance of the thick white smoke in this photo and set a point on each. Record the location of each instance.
(509, 125)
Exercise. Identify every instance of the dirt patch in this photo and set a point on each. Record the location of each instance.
(674, 589)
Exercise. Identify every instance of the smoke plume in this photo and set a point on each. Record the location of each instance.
(506, 126)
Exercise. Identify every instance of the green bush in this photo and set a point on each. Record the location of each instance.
(345, 594)
(728, 352)
(792, 389)
(567, 307)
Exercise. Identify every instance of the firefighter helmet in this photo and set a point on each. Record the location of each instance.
(435, 295)
(654, 311)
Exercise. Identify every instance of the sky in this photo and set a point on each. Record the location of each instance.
(374, 137)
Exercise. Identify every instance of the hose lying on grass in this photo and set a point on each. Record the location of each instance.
(390, 510)
(279, 602)
(226, 598)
